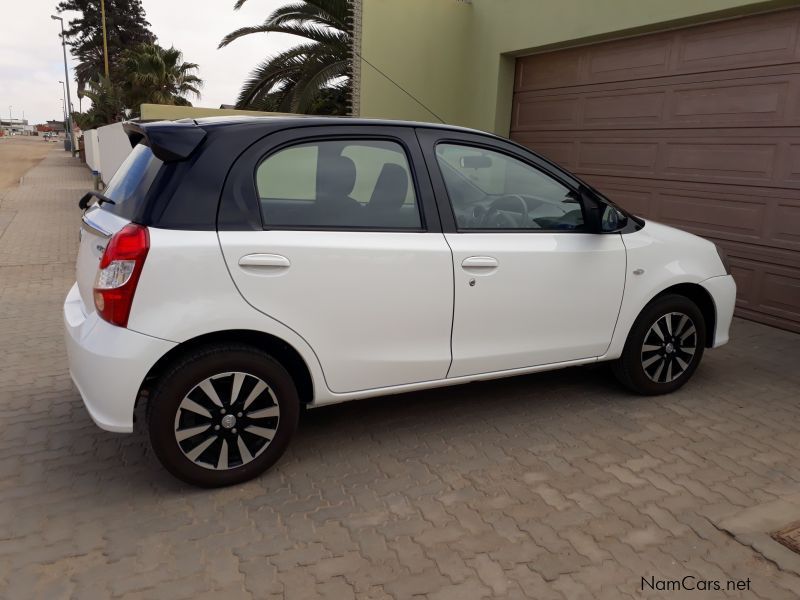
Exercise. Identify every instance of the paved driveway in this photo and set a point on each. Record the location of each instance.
(550, 486)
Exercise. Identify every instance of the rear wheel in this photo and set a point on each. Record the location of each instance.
(664, 347)
(222, 415)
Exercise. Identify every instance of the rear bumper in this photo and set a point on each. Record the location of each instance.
(107, 363)
(723, 292)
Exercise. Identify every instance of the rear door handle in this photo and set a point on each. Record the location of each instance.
(269, 262)
(480, 264)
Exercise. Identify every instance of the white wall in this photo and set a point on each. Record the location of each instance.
(92, 149)
(114, 148)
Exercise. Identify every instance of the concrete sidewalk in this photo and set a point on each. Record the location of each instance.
(557, 485)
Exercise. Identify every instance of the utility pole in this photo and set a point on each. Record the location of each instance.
(66, 80)
(105, 41)
(64, 101)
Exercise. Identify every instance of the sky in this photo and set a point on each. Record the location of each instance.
(31, 61)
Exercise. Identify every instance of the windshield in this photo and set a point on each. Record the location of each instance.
(130, 183)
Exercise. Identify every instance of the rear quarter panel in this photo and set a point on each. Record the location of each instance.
(185, 291)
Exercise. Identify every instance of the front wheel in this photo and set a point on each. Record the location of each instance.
(664, 347)
(222, 415)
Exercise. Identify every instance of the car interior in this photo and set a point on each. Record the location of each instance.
(333, 204)
(475, 208)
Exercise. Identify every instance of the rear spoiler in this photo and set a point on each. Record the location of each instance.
(170, 141)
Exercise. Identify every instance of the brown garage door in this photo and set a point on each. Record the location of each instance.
(698, 128)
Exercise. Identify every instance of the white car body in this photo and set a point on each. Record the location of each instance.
(190, 264)
(372, 312)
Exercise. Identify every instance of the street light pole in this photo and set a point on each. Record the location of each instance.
(64, 92)
(64, 101)
(66, 80)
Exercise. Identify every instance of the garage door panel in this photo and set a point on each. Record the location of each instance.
(550, 112)
(780, 291)
(767, 292)
(767, 39)
(793, 167)
(757, 41)
(629, 59)
(718, 156)
(563, 153)
(714, 217)
(731, 103)
(698, 128)
(745, 273)
(720, 161)
(555, 72)
(623, 109)
(624, 157)
(668, 103)
(786, 228)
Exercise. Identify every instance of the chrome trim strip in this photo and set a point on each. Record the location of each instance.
(92, 227)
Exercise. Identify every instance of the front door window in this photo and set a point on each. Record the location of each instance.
(490, 191)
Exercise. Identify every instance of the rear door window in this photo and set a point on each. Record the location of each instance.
(129, 185)
(339, 184)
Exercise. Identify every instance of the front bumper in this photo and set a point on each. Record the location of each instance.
(107, 363)
(723, 291)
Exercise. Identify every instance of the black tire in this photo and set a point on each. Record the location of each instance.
(647, 371)
(223, 368)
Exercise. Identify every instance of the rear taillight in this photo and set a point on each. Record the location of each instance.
(119, 272)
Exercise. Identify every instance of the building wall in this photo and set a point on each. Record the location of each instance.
(457, 57)
(113, 148)
(421, 45)
(165, 112)
(92, 145)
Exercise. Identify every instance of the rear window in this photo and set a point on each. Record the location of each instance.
(129, 185)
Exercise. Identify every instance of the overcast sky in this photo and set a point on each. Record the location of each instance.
(31, 62)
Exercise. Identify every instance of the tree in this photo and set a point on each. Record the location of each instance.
(158, 75)
(139, 69)
(108, 104)
(312, 77)
(126, 27)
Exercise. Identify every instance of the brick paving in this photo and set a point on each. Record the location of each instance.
(557, 485)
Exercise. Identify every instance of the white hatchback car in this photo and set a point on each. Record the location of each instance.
(238, 269)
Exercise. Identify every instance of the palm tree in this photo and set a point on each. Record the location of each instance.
(312, 77)
(159, 76)
(108, 104)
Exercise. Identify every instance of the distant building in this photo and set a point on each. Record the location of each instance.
(57, 126)
(14, 126)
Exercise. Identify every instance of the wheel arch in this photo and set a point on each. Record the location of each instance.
(700, 296)
(279, 349)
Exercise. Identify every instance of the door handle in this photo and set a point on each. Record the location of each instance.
(265, 261)
(480, 264)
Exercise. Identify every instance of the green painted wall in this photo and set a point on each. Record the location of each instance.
(421, 45)
(458, 58)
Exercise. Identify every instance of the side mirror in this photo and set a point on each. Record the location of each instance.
(83, 203)
(592, 211)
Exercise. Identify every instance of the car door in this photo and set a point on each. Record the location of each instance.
(346, 249)
(532, 286)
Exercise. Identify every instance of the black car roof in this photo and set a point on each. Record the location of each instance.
(176, 140)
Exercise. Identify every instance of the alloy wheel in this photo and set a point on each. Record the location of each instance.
(226, 420)
(669, 347)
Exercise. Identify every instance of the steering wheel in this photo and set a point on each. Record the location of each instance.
(493, 218)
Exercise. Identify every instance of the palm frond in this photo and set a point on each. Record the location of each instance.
(317, 77)
(311, 76)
